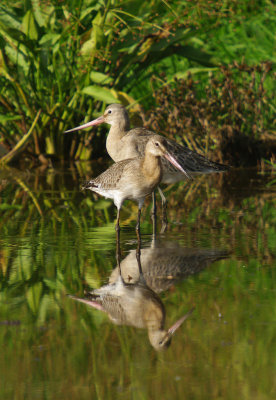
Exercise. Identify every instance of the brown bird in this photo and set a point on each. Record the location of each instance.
(123, 143)
(166, 263)
(134, 304)
(134, 178)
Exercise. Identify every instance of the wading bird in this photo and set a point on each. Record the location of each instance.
(134, 304)
(134, 178)
(123, 143)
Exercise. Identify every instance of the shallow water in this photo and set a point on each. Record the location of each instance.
(217, 255)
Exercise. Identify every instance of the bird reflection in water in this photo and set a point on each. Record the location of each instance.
(130, 297)
(165, 263)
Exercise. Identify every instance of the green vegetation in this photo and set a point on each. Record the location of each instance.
(67, 59)
(220, 115)
(201, 72)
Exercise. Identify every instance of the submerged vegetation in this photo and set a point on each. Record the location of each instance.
(66, 60)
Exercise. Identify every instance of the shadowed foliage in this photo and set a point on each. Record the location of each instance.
(232, 113)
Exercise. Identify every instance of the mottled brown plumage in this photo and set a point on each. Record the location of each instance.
(166, 263)
(133, 178)
(123, 143)
(134, 305)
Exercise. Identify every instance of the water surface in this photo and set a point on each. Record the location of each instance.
(217, 255)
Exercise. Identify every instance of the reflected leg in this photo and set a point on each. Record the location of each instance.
(118, 251)
(154, 225)
(164, 211)
(138, 257)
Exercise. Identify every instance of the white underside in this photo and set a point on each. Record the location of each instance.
(118, 197)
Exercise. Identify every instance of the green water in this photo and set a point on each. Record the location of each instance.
(56, 240)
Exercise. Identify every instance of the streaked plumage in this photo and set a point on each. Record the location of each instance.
(123, 143)
(166, 263)
(133, 178)
(134, 305)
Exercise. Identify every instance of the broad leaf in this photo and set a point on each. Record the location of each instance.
(29, 26)
(101, 93)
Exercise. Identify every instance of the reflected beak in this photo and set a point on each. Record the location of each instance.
(173, 161)
(97, 121)
(178, 323)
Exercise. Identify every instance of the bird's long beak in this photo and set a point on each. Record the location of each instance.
(178, 323)
(97, 121)
(173, 161)
(90, 303)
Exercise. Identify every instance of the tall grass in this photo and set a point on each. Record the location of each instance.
(69, 59)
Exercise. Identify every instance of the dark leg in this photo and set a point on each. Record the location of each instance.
(117, 226)
(118, 250)
(154, 222)
(138, 221)
(138, 257)
(153, 210)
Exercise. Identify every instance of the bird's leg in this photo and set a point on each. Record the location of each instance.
(153, 210)
(117, 226)
(164, 226)
(138, 221)
(138, 257)
(154, 223)
(153, 213)
(164, 211)
(118, 251)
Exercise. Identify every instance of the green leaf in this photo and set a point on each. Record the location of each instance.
(49, 39)
(5, 118)
(99, 77)
(33, 296)
(89, 10)
(96, 37)
(100, 93)
(192, 71)
(29, 26)
(9, 20)
(41, 14)
(18, 58)
(4, 207)
(51, 283)
(14, 35)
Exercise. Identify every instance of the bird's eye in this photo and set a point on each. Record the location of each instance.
(156, 144)
(109, 111)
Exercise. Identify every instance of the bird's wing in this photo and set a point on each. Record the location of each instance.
(193, 162)
(110, 178)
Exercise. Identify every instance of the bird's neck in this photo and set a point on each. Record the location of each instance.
(152, 170)
(116, 133)
(154, 315)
